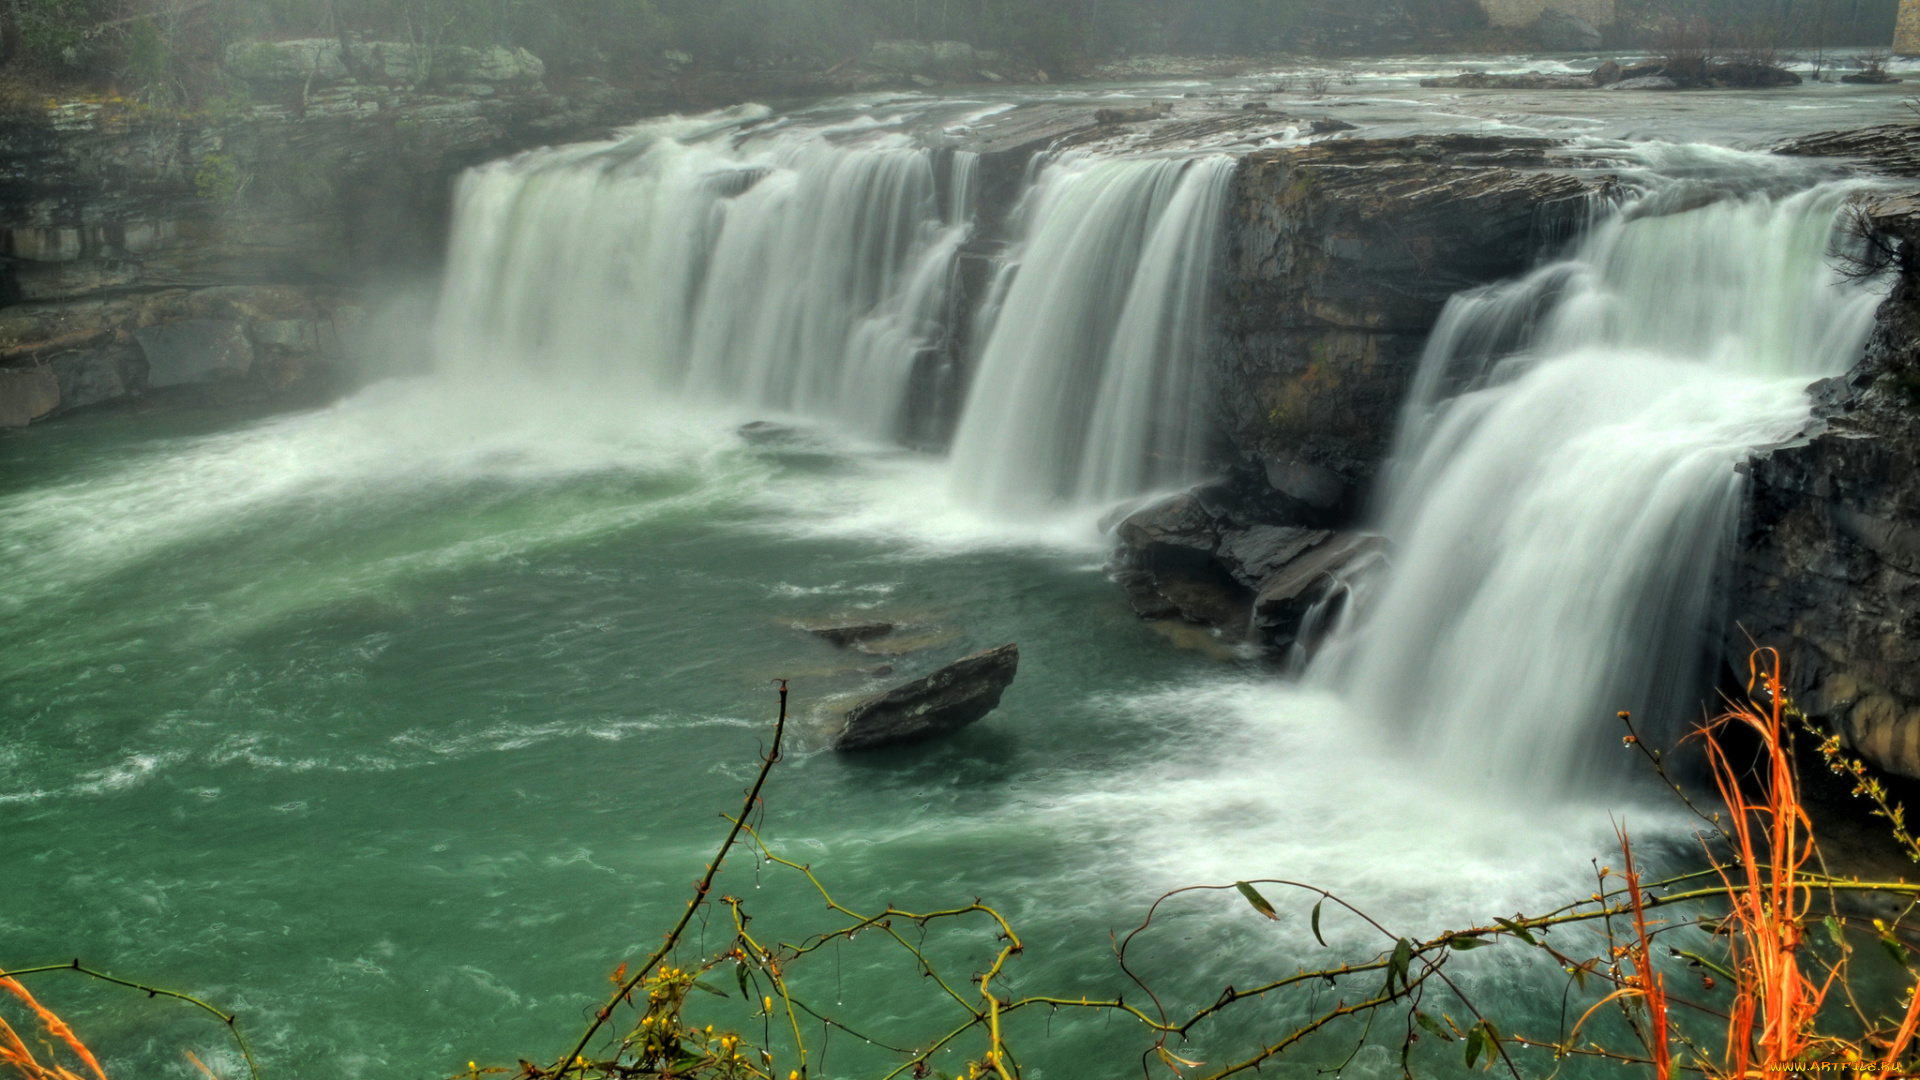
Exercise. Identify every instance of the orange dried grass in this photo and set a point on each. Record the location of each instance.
(14, 1051)
(1777, 1002)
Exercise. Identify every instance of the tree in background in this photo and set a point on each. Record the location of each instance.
(170, 49)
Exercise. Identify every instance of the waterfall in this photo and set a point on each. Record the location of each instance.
(808, 270)
(789, 271)
(1088, 385)
(1566, 487)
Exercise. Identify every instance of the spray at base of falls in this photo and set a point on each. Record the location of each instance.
(1566, 484)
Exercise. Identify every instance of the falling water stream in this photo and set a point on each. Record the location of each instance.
(395, 724)
(1566, 488)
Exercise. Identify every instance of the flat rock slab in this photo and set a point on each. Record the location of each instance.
(940, 704)
(844, 634)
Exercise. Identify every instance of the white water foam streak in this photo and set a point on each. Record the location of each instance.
(1086, 389)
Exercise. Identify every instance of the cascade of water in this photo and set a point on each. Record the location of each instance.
(1566, 483)
(1087, 385)
(790, 271)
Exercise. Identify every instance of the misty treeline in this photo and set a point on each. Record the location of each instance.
(174, 47)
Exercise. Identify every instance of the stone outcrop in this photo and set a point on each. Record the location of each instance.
(1647, 76)
(940, 704)
(1217, 557)
(1829, 560)
(1885, 148)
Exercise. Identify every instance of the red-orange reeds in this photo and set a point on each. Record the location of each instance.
(15, 1054)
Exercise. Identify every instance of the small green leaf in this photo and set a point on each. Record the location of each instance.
(1316, 924)
(1431, 1024)
(1579, 976)
(1468, 942)
(1490, 1035)
(1402, 958)
(1895, 949)
(1259, 902)
(1835, 931)
(1473, 1045)
(1700, 961)
(1519, 931)
(709, 988)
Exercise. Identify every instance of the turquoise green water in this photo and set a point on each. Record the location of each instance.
(394, 726)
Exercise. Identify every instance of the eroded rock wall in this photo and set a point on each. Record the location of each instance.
(1341, 255)
(1828, 570)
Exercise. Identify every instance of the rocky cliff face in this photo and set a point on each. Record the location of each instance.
(1828, 570)
(227, 254)
(1340, 257)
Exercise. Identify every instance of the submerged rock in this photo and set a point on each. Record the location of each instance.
(844, 634)
(764, 431)
(1156, 111)
(940, 704)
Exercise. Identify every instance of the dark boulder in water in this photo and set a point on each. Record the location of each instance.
(940, 704)
(1210, 558)
(1308, 578)
(1155, 111)
(764, 431)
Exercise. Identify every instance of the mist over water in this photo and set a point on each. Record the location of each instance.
(394, 723)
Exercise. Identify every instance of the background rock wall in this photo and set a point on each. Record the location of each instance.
(224, 254)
